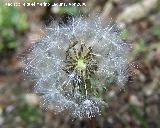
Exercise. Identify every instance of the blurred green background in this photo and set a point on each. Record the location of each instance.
(137, 106)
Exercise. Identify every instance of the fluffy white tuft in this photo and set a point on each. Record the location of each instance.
(59, 90)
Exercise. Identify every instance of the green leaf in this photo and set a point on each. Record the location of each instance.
(7, 34)
(158, 121)
(1, 17)
(11, 45)
(12, 22)
(22, 23)
(156, 31)
(7, 14)
(124, 35)
(69, 9)
(141, 44)
(136, 113)
(29, 114)
(1, 46)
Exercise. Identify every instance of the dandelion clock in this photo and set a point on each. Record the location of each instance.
(72, 65)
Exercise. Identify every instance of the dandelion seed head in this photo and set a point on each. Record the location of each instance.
(71, 64)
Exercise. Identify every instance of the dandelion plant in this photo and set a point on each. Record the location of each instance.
(72, 65)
